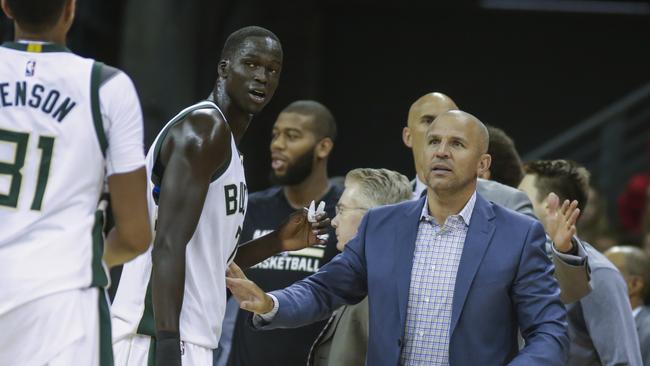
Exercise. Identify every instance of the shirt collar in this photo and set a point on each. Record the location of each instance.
(419, 188)
(636, 311)
(35, 46)
(465, 213)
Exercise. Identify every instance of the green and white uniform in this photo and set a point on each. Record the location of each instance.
(208, 253)
(65, 123)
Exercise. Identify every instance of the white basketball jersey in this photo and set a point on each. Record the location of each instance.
(51, 173)
(208, 253)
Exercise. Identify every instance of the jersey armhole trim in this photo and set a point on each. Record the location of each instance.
(95, 83)
(222, 169)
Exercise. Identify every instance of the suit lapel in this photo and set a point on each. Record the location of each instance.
(479, 234)
(404, 249)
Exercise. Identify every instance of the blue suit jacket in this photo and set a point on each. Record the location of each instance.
(504, 281)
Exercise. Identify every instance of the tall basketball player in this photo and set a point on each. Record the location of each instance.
(170, 303)
(66, 122)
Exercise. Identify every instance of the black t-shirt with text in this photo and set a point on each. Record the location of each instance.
(266, 211)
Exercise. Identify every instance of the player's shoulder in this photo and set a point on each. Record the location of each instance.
(203, 116)
(108, 73)
(203, 129)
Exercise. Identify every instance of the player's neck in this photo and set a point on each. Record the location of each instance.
(313, 188)
(50, 36)
(237, 119)
(635, 301)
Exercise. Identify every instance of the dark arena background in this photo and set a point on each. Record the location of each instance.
(562, 78)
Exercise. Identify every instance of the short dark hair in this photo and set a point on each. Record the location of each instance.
(324, 124)
(36, 15)
(236, 38)
(566, 178)
(506, 163)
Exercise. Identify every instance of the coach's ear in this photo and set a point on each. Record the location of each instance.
(222, 68)
(406, 137)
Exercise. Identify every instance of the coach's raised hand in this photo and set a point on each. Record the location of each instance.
(249, 296)
(560, 223)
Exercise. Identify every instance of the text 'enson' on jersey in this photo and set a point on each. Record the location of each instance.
(24, 94)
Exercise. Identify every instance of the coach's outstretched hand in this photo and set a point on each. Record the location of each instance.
(297, 232)
(561, 221)
(249, 296)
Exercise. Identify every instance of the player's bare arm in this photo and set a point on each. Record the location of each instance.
(191, 153)
(131, 235)
(295, 233)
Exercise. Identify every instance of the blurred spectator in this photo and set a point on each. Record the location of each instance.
(634, 264)
(593, 225)
(632, 204)
(601, 325)
(506, 163)
(645, 240)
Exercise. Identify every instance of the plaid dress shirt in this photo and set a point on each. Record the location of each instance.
(435, 264)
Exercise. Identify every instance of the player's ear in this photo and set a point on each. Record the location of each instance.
(222, 68)
(324, 147)
(69, 11)
(6, 10)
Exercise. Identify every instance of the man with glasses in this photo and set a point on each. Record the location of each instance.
(344, 340)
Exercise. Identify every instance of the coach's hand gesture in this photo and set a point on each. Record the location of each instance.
(249, 296)
(561, 221)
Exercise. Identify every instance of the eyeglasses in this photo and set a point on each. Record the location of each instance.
(339, 208)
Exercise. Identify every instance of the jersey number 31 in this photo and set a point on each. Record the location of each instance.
(13, 169)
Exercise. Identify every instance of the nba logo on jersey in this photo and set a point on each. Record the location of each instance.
(30, 69)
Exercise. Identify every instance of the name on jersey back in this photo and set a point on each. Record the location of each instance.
(36, 96)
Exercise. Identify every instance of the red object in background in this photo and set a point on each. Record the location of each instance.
(632, 202)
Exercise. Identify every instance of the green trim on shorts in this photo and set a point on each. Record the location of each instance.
(105, 335)
(147, 325)
(151, 357)
(99, 279)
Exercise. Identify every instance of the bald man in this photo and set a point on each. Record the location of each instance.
(634, 265)
(569, 256)
(445, 274)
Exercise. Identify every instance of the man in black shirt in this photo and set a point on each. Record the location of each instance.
(302, 139)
